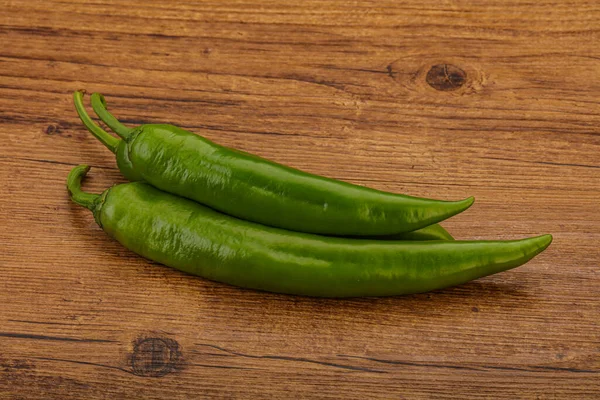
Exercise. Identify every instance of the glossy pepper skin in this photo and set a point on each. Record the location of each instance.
(252, 188)
(431, 232)
(196, 239)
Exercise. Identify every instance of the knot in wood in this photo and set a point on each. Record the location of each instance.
(154, 356)
(52, 129)
(446, 77)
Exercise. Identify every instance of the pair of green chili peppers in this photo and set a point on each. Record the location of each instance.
(236, 218)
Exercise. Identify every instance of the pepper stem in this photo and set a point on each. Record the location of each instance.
(107, 140)
(87, 200)
(99, 106)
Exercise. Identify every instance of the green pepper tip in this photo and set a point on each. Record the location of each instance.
(545, 240)
(456, 207)
(540, 243)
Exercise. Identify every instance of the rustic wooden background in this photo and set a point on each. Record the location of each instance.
(496, 99)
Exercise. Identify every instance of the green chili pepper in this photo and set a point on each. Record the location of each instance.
(431, 232)
(196, 239)
(255, 189)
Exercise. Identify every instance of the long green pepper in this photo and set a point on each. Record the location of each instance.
(196, 239)
(252, 188)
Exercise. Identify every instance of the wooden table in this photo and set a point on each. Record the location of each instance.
(445, 99)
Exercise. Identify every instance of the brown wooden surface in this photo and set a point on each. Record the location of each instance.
(496, 99)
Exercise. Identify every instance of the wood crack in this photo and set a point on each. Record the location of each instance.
(477, 368)
(294, 359)
(56, 338)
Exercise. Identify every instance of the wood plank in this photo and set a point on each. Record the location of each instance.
(496, 99)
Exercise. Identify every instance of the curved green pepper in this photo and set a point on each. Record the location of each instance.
(255, 189)
(196, 239)
(431, 232)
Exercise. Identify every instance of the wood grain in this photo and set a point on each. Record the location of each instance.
(496, 99)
